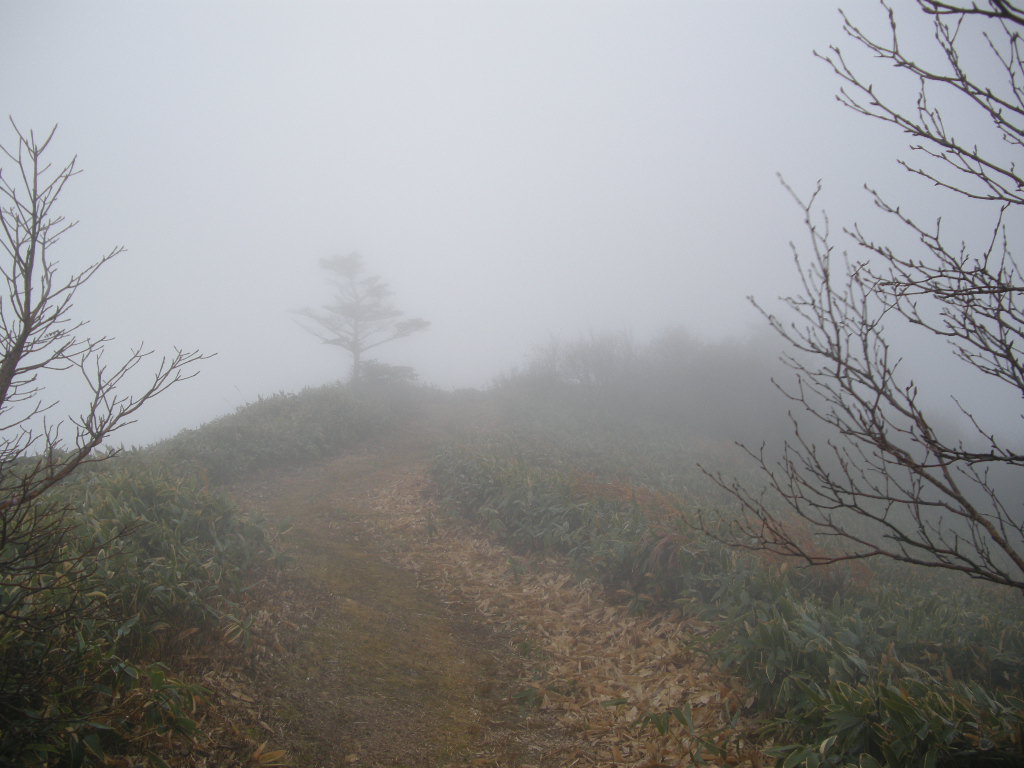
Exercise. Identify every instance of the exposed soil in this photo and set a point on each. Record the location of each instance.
(406, 639)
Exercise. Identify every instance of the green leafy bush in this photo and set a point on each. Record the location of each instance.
(169, 550)
(850, 665)
(156, 557)
(908, 718)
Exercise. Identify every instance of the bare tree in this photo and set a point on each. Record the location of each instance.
(893, 481)
(40, 339)
(360, 317)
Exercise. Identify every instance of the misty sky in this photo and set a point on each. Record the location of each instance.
(515, 170)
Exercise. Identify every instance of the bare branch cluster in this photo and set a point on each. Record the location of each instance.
(889, 483)
(995, 9)
(39, 337)
(961, 165)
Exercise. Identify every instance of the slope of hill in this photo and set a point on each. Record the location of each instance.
(416, 642)
(517, 578)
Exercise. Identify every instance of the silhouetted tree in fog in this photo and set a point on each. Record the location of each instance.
(892, 482)
(361, 316)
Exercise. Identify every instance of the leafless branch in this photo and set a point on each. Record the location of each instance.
(40, 338)
(888, 483)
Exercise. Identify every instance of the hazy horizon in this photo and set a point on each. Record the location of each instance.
(516, 171)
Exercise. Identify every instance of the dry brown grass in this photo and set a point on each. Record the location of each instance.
(589, 651)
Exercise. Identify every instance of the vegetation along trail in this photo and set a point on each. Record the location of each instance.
(418, 642)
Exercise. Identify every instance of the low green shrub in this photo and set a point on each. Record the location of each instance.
(896, 673)
(154, 557)
(848, 664)
(902, 717)
(167, 551)
(535, 510)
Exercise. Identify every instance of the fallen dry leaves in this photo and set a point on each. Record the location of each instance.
(600, 667)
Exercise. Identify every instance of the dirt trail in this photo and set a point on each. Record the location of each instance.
(379, 671)
(412, 641)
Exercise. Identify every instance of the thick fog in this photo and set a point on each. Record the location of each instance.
(517, 171)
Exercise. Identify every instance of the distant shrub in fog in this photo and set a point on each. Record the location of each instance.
(710, 390)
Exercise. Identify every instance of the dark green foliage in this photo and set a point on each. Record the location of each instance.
(850, 664)
(534, 510)
(896, 673)
(155, 557)
(377, 375)
(175, 550)
(905, 719)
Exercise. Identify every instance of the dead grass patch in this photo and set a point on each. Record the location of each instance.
(598, 667)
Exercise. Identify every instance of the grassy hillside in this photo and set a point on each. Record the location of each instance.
(155, 570)
(858, 664)
(589, 454)
(155, 567)
(286, 430)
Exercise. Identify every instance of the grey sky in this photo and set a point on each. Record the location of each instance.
(515, 170)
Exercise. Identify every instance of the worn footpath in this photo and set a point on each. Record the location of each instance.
(412, 640)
